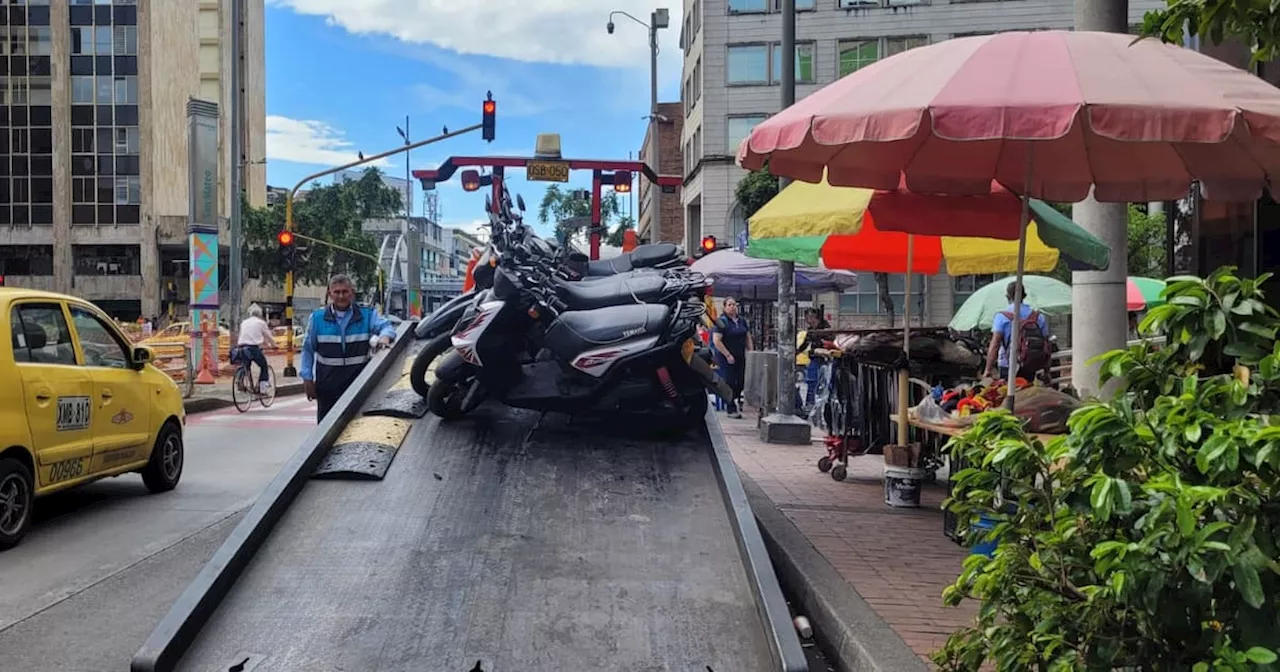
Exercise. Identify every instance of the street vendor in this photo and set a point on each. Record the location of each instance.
(812, 366)
(1034, 346)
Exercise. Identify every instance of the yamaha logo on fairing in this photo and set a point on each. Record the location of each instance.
(632, 332)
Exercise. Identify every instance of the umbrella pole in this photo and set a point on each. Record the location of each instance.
(904, 373)
(1017, 303)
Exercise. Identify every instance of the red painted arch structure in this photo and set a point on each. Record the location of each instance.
(602, 172)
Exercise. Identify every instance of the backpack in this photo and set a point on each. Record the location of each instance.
(1034, 349)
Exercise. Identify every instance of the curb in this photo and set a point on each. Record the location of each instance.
(206, 404)
(851, 632)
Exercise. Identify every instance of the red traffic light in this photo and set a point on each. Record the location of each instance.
(708, 243)
(488, 119)
(490, 107)
(285, 238)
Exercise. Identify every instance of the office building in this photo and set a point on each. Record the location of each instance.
(671, 228)
(731, 83)
(93, 157)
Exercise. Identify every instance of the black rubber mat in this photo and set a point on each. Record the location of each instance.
(488, 541)
(361, 461)
(405, 404)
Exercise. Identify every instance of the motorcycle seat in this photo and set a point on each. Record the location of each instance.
(643, 256)
(614, 290)
(576, 332)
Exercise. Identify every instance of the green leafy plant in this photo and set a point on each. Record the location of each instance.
(1253, 23)
(755, 189)
(559, 206)
(1148, 537)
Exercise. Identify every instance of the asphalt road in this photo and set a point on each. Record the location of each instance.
(103, 563)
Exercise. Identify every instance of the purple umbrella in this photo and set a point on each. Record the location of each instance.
(736, 274)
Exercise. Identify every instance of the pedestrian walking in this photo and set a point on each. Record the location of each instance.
(1034, 347)
(341, 339)
(732, 339)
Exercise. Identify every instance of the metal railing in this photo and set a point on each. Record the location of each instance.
(1060, 362)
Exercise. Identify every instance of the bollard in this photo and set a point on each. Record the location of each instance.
(206, 375)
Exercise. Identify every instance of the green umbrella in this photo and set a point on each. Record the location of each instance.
(1049, 296)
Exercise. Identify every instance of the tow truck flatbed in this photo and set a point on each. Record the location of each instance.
(510, 540)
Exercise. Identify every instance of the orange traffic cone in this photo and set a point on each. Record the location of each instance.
(205, 376)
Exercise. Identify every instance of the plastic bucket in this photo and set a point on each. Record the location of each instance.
(902, 486)
(978, 535)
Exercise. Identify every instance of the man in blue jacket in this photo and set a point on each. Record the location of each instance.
(341, 339)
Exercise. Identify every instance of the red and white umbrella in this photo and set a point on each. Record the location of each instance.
(1137, 121)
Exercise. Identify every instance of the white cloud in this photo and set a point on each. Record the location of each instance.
(310, 142)
(539, 31)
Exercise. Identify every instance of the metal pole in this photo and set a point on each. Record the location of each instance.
(289, 370)
(235, 284)
(655, 218)
(413, 284)
(787, 270)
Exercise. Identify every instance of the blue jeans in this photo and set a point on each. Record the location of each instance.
(253, 354)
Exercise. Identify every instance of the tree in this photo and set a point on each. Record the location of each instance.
(559, 205)
(754, 190)
(333, 213)
(1146, 539)
(1148, 243)
(616, 235)
(1254, 24)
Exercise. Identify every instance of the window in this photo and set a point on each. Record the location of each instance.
(865, 300)
(897, 45)
(857, 54)
(801, 5)
(82, 90)
(83, 189)
(26, 260)
(105, 86)
(857, 4)
(963, 286)
(128, 190)
(126, 90)
(748, 64)
(101, 347)
(747, 6)
(103, 40)
(40, 335)
(82, 40)
(126, 139)
(804, 63)
(81, 140)
(740, 127)
(41, 92)
(105, 259)
(20, 141)
(39, 40)
(126, 41)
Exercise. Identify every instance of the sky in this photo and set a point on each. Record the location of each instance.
(343, 74)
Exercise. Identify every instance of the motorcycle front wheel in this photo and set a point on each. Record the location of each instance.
(421, 372)
(452, 400)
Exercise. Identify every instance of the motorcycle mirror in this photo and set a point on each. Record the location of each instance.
(520, 202)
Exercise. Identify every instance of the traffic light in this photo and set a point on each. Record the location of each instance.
(490, 110)
(708, 244)
(285, 238)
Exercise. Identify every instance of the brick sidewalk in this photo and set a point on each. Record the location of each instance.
(898, 560)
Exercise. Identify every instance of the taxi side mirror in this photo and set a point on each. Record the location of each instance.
(142, 356)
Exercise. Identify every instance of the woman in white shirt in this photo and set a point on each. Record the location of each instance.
(254, 333)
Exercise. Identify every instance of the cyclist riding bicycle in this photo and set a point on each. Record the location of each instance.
(254, 333)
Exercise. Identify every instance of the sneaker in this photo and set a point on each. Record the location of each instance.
(264, 387)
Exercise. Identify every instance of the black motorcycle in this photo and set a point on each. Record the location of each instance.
(585, 285)
(638, 360)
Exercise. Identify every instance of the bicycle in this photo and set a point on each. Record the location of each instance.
(245, 388)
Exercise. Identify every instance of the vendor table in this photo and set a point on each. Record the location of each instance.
(933, 437)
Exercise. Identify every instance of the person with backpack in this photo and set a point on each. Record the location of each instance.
(1034, 347)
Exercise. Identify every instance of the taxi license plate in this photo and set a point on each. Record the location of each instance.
(547, 171)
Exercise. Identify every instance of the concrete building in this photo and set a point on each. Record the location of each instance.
(730, 84)
(671, 220)
(459, 244)
(93, 163)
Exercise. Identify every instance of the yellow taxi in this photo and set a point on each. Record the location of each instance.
(77, 403)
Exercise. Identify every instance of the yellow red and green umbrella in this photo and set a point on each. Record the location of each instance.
(867, 230)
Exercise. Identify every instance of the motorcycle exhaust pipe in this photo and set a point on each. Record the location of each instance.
(710, 379)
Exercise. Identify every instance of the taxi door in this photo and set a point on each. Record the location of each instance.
(121, 396)
(57, 392)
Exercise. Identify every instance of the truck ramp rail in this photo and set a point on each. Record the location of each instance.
(506, 542)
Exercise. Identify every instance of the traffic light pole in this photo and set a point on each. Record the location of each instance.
(289, 370)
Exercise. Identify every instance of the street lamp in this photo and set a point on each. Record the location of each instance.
(658, 19)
